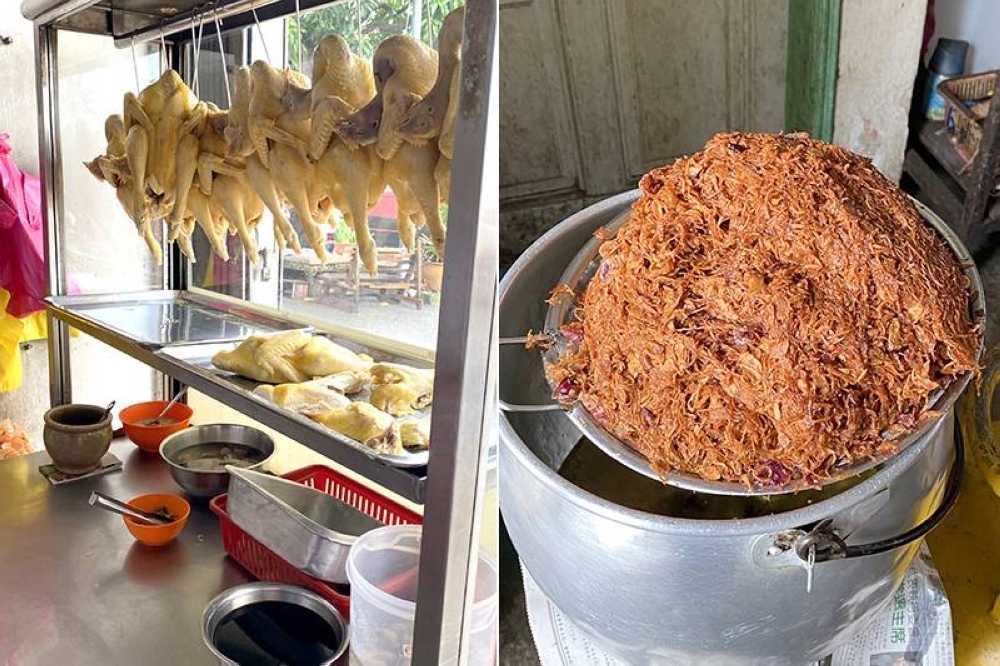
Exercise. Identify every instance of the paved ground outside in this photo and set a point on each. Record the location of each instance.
(399, 321)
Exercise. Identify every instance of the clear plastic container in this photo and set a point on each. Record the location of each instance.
(382, 569)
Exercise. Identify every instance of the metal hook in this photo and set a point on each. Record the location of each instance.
(260, 31)
(135, 66)
(222, 54)
(298, 32)
(164, 54)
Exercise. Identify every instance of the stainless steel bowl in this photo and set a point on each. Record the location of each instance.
(242, 596)
(202, 484)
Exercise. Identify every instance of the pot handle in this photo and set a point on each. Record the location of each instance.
(826, 544)
(510, 407)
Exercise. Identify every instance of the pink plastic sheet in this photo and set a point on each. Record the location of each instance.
(22, 254)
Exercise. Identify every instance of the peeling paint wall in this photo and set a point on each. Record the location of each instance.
(877, 65)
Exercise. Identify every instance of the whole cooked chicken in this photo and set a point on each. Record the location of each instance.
(433, 117)
(401, 389)
(279, 125)
(321, 357)
(366, 424)
(266, 358)
(154, 122)
(292, 357)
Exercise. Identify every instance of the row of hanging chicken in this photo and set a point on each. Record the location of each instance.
(333, 142)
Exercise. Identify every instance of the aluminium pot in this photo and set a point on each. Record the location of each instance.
(655, 589)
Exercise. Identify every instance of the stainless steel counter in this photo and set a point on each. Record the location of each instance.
(77, 589)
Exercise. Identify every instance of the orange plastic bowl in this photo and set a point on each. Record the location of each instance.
(148, 438)
(158, 535)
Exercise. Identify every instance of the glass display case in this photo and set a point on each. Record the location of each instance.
(158, 324)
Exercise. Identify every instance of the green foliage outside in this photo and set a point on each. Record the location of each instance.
(364, 24)
(342, 232)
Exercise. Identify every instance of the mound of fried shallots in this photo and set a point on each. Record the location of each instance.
(774, 309)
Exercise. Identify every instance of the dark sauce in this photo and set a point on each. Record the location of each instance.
(589, 468)
(269, 633)
(80, 418)
(214, 456)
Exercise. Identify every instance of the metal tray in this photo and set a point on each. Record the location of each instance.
(200, 356)
(584, 266)
(309, 529)
(158, 319)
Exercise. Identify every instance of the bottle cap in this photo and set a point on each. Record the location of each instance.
(949, 56)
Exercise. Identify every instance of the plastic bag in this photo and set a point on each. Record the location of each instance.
(22, 254)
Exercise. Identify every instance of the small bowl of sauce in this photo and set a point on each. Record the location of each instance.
(148, 433)
(173, 506)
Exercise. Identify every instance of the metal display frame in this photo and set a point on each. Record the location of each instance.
(464, 424)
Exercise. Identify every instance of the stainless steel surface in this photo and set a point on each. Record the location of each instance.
(655, 589)
(45, 11)
(307, 528)
(102, 501)
(157, 319)
(581, 269)
(81, 590)
(207, 484)
(191, 365)
(47, 87)
(200, 356)
(251, 593)
(465, 382)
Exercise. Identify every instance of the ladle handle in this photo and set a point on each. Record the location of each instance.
(830, 546)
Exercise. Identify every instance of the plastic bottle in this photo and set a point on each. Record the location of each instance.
(947, 61)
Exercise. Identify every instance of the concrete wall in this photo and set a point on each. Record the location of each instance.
(879, 53)
(975, 21)
(17, 83)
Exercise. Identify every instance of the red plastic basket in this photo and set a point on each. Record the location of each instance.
(266, 565)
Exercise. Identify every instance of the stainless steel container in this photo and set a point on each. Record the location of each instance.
(207, 484)
(660, 590)
(307, 528)
(243, 596)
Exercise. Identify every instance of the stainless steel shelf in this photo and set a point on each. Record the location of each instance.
(409, 482)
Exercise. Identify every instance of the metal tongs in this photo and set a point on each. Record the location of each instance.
(102, 501)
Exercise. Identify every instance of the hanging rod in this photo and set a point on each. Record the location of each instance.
(236, 14)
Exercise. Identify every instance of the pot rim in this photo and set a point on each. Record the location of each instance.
(66, 427)
(511, 441)
(239, 596)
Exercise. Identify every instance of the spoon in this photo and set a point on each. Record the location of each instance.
(180, 394)
(102, 501)
(107, 410)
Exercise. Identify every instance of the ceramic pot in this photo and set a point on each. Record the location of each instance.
(433, 274)
(77, 437)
